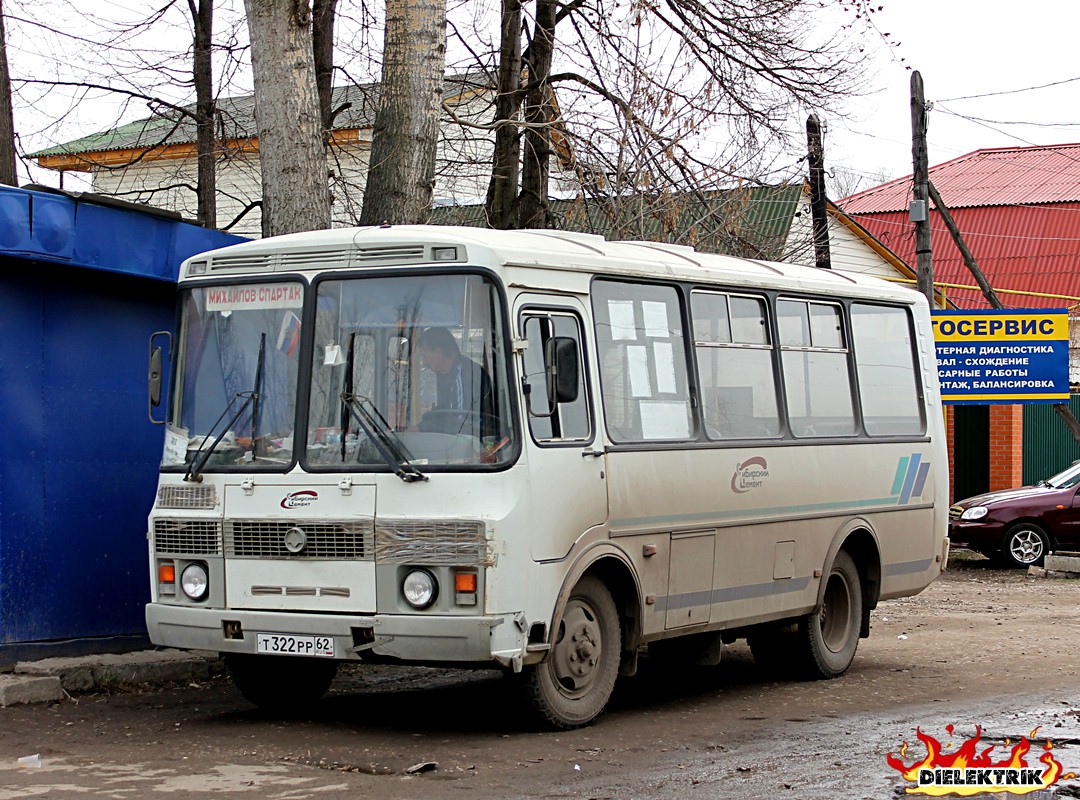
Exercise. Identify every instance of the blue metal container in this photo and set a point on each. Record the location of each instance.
(83, 284)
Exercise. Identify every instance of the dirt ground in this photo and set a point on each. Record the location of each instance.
(981, 646)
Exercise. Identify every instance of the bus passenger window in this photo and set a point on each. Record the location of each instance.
(642, 353)
(886, 370)
(817, 379)
(735, 365)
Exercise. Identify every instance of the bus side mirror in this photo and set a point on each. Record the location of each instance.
(154, 377)
(561, 363)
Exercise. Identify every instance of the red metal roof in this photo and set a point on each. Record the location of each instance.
(1018, 209)
(992, 177)
(1027, 248)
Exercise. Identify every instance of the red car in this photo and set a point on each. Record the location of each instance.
(1018, 527)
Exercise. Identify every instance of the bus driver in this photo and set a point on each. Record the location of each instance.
(463, 398)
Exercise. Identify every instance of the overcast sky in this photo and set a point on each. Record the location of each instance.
(964, 48)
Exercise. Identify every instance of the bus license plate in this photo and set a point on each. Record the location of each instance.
(284, 645)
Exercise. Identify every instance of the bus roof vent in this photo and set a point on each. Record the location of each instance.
(321, 259)
(390, 254)
(255, 263)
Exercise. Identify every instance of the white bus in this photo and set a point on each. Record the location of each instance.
(539, 451)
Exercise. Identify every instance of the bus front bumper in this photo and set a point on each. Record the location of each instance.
(408, 637)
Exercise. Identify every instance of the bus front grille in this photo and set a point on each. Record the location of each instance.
(201, 496)
(189, 537)
(300, 539)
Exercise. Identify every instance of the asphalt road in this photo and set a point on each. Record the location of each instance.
(981, 647)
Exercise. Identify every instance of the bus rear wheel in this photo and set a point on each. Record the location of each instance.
(281, 684)
(827, 639)
(573, 685)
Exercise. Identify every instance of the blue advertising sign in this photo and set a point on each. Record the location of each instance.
(1000, 357)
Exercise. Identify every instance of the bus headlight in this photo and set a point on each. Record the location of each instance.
(194, 581)
(420, 588)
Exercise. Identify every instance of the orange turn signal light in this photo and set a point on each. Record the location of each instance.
(166, 573)
(465, 582)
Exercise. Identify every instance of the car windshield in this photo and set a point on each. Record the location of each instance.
(1067, 478)
(409, 372)
(234, 403)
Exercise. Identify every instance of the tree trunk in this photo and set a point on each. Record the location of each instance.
(322, 35)
(8, 174)
(533, 209)
(501, 206)
(401, 175)
(292, 150)
(202, 20)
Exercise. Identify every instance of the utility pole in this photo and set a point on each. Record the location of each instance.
(920, 206)
(819, 210)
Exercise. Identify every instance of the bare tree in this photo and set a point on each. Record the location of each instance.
(157, 61)
(401, 173)
(202, 21)
(644, 85)
(323, 16)
(292, 151)
(674, 97)
(533, 209)
(501, 203)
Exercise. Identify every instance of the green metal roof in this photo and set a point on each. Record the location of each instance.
(751, 221)
(237, 119)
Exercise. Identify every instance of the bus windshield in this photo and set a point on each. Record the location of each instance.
(235, 400)
(409, 372)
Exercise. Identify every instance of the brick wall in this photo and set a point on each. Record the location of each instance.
(950, 442)
(1006, 446)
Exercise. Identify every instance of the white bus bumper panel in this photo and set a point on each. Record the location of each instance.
(401, 636)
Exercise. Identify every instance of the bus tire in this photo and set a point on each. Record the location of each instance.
(281, 684)
(827, 639)
(571, 687)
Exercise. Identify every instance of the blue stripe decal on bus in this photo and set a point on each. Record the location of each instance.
(731, 593)
(908, 567)
(756, 590)
(909, 478)
(901, 471)
(920, 481)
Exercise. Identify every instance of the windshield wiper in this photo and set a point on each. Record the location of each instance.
(378, 430)
(393, 452)
(250, 399)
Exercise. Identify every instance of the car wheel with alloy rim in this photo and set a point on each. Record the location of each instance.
(1025, 545)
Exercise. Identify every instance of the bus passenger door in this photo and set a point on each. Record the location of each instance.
(566, 462)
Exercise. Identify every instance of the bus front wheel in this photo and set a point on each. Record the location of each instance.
(828, 637)
(281, 684)
(573, 685)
